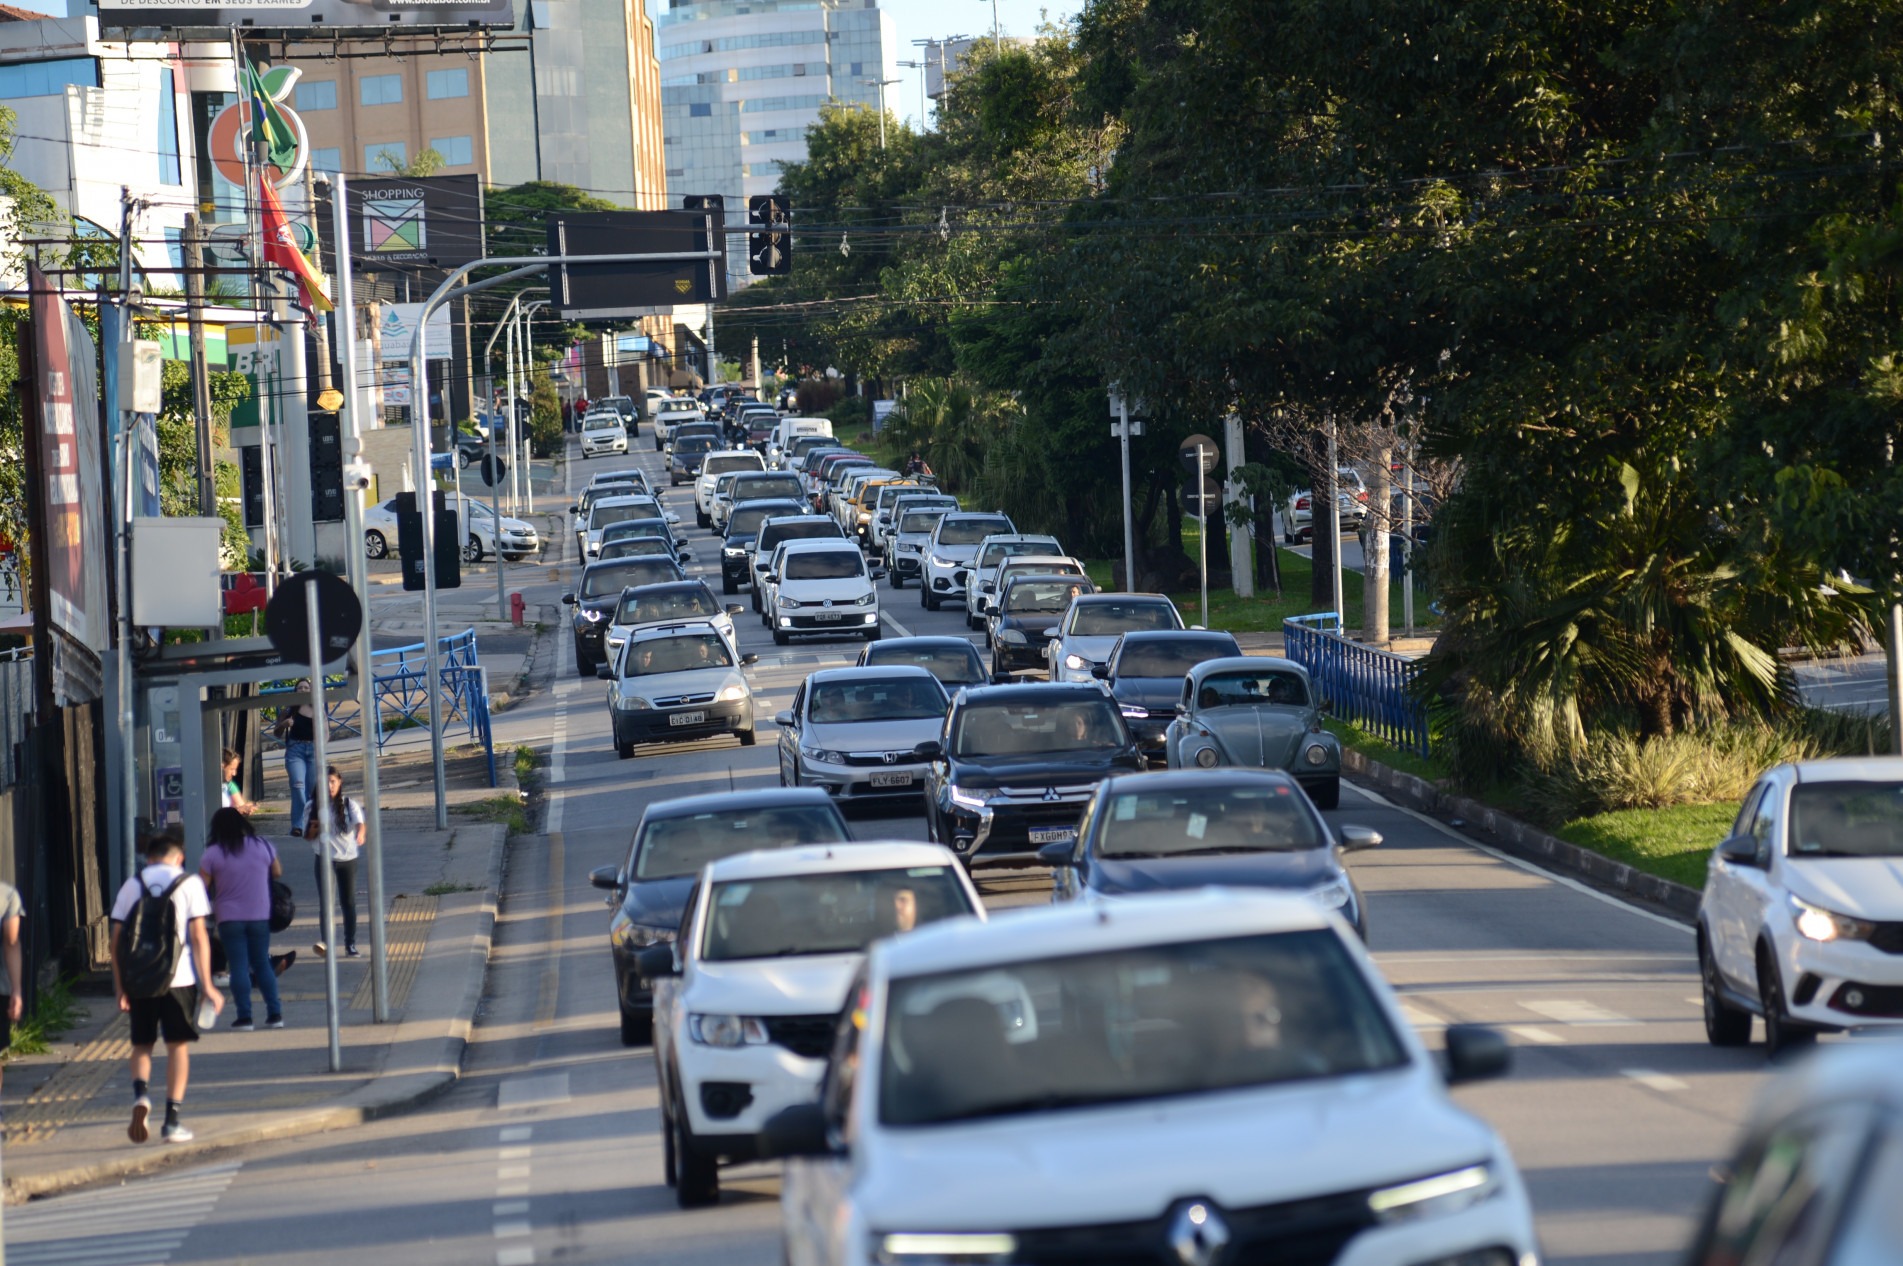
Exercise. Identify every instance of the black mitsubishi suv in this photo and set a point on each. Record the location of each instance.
(1015, 766)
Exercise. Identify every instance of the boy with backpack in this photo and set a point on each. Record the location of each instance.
(161, 970)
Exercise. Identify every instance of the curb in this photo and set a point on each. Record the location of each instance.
(432, 1043)
(1527, 842)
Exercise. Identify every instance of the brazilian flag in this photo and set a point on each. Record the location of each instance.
(268, 123)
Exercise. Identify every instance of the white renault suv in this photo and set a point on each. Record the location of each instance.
(712, 467)
(822, 586)
(951, 552)
(1801, 921)
(746, 999)
(1213, 1077)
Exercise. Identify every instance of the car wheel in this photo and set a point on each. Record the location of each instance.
(637, 1028)
(1781, 1033)
(374, 546)
(702, 520)
(987, 635)
(780, 638)
(1326, 795)
(1725, 1025)
(727, 585)
(670, 1173)
(624, 750)
(657, 442)
(893, 578)
(970, 621)
(747, 737)
(584, 666)
(696, 1172)
(472, 552)
(755, 594)
(931, 600)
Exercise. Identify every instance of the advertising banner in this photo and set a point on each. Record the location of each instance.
(302, 18)
(398, 326)
(71, 466)
(432, 222)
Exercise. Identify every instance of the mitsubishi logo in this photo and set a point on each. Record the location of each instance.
(1050, 793)
(1198, 1234)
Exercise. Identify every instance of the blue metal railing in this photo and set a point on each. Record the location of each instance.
(1370, 689)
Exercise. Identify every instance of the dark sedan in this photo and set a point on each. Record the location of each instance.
(952, 660)
(672, 842)
(1162, 832)
(1029, 606)
(683, 462)
(1016, 765)
(600, 593)
(743, 528)
(1146, 671)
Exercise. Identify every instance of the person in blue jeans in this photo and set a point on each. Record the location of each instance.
(238, 867)
(300, 759)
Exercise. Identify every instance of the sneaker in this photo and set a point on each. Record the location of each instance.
(321, 950)
(175, 1132)
(273, 1021)
(351, 951)
(141, 1109)
(243, 1024)
(281, 963)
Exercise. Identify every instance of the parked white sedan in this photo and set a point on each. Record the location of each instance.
(519, 539)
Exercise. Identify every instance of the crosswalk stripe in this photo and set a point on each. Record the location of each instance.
(164, 1210)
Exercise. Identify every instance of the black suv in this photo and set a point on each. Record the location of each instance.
(1015, 766)
(792, 527)
(743, 527)
(600, 594)
(1146, 670)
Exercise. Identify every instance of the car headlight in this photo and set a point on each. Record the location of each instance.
(634, 703)
(733, 692)
(1135, 714)
(1431, 1197)
(965, 799)
(1075, 662)
(865, 600)
(1207, 758)
(943, 562)
(1332, 895)
(825, 756)
(959, 1246)
(1814, 923)
(733, 553)
(1013, 636)
(1315, 754)
(726, 1030)
(788, 603)
(907, 549)
(593, 617)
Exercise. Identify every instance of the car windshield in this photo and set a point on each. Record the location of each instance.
(601, 422)
(809, 527)
(1012, 572)
(731, 461)
(1029, 729)
(826, 914)
(834, 564)
(602, 515)
(675, 848)
(1180, 821)
(890, 699)
(922, 520)
(1847, 819)
(1107, 619)
(952, 665)
(998, 551)
(1170, 657)
(633, 527)
(780, 486)
(636, 547)
(601, 492)
(747, 522)
(694, 446)
(1249, 687)
(689, 652)
(667, 604)
(1128, 1024)
(601, 581)
(970, 531)
(1051, 596)
(678, 406)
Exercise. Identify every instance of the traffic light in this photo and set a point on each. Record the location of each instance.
(704, 202)
(769, 236)
(409, 536)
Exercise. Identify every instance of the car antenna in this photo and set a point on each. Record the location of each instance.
(729, 778)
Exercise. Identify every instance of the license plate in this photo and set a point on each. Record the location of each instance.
(687, 718)
(824, 616)
(1054, 835)
(896, 778)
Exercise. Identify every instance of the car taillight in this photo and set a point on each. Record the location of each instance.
(1301, 503)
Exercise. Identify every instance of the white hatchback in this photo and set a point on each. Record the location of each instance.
(603, 433)
(1208, 1077)
(821, 586)
(747, 998)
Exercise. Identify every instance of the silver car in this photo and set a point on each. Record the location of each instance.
(910, 532)
(1094, 623)
(992, 551)
(855, 731)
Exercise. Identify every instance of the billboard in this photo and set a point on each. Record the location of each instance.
(585, 292)
(71, 466)
(397, 326)
(304, 19)
(404, 224)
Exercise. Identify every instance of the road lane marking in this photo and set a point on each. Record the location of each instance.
(515, 1257)
(514, 1153)
(1421, 1019)
(1654, 1080)
(509, 1230)
(517, 1133)
(510, 1208)
(1538, 1036)
(550, 990)
(150, 1220)
(1577, 1012)
(898, 628)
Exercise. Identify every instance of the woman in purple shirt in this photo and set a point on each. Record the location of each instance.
(238, 867)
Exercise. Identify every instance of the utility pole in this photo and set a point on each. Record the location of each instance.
(1241, 537)
(1124, 428)
(880, 85)
(194, 249)
(1334, 523)
(920, 68)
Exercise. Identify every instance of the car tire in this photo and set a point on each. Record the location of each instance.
(670, 1173)
(701, 520)
(1326, 795)
(754, 592)
(893, 578)
(696, 1172)
(747, 737)
(727, 585)
(637, 1028)
(374, 545)
(1781, 1033)
(971, 621)
(1725, 1025)
(657, 442)
(931, 599)
(472, 552)
(624, 751)
(584, 666)
(780, 638)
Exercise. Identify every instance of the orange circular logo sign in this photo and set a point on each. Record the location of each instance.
(231, 129)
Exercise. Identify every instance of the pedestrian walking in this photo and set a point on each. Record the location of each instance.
(230, 795)
(238, 867)
(11, 912)
(300, 755)
(339, 849)
(161, 972)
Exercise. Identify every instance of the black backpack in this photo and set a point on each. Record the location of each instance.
(152, 944)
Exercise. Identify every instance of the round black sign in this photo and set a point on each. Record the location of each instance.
(494, 471)
(1187, 452)
(339, 616)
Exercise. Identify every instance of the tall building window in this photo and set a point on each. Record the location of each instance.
(442, 84)
(330, 158)
(386, 157)
(700, 110)
(457, 151)
(169, 171)
(858, 68)
(374, 90)
(321, 95)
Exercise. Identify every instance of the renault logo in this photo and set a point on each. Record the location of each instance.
(1198, 1234)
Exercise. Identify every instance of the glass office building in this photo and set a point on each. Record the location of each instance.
(742, 79)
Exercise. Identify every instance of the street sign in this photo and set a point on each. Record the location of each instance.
(339, 616)
(1187, 452)
(770, 246)
(330, 400)
(494, 471)
(588, 292)
(1211, 489)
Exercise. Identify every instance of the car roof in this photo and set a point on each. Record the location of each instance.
(822, 859)
(665, 586)
(770, 503)
(1136, 637)
(622, 500)
(935, 643)
(976, 514)
(672, 628)
(820, 544)
(1850, 769)
(1247, 663)
(761, 475)
(1077, 927)
(618, 477)
(1012, 538)
(1169, 779)
(1037, 560)
(735, 452)
(871, 672)
(1049, 576)
(1032, 691)
(716, 802)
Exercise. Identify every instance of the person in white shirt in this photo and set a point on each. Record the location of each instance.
(173, 1013)
(339, 849)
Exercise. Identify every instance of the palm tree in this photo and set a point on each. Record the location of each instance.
(951, 425)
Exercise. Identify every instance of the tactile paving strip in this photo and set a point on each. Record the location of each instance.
(405, 934)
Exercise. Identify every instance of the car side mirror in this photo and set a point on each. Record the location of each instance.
(605, 877)
(930, 749)
(1100, 671)
(1740, 850)
(657, 961)
(796, 1131)
(1057, 855)
(1476, 1052)
(1182, 709)
(574, 509)
(1050, 634)
(605, 673)
(686, 556)
(568, 599)
(734, 608)
(878, 573)
(783, 719)
(1357, 837)
(749, 660)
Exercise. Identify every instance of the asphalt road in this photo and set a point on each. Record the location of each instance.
(547, 1149)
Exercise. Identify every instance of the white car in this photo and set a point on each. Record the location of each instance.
(747, 999)
(910, 533)
(519, 539)
(1001, 576)
(616, 510)
(949, 555)
(1214, 1077)
(1801, 921)
(821, 587)
(992, 551)
(1084, 637)
(787, 430)
(672, 412)
(714, 465)
(603, 434)
(673, 683)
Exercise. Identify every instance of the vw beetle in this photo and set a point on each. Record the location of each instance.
(1255, 711)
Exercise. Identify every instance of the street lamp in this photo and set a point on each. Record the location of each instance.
(880, 85)
(997, 43)
(920, 68)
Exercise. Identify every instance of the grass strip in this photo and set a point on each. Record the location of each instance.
(1672, 843)
(505, 809)
(55, 1011)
